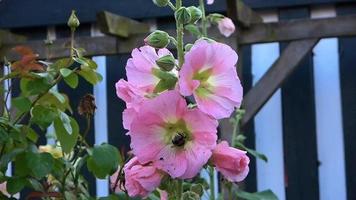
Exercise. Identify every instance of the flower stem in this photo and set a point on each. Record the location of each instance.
(234, 132)
(203, 19)
(179, 189)
(212, 183)
(180, 30)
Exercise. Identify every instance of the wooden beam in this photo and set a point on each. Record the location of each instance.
(242, 14)
(298, 29)
(275, 76)
(117, 25)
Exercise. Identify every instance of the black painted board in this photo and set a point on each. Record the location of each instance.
(20, 13)
(299, 127)
(347, 52)
(249, 129)
(289, 3)
(115, 70)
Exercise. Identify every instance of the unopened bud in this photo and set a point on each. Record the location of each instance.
(215, 17)
(73, 21)
(166, 63)
(195, 14)
(182, 15)
(188, 46)
(157, 39)
(161, 3)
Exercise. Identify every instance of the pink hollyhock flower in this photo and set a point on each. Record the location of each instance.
(231, 162)
(210, 1)
(3, 189)
(140, 180)
(163, 194)
(140, 68)
(115, 184)
(174, 138)
(143, 77)
(226, 26)
(209, 74)
(133, 96)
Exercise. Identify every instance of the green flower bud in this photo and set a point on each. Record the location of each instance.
(161, 3)
(195, 14)
(188, 47)
(73, 21)
(183, 15)
(188, 195)
(198, 189)
(166, 63)
(157, 39)
(215, 17)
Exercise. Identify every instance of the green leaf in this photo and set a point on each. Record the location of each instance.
(90, 75)
(193, 29)
(37, 165)
(53, 99)
(23, 104)
(15, 185)
(252, 152)
(65, 72)
(43, 116)
(34, 86)
(8, 157)
(65, 122)
(72, 80)
(63, 63)
(66, 140)
(264, 195)
(30, 133)
(103, 161)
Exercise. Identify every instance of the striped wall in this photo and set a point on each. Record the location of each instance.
(306, 129)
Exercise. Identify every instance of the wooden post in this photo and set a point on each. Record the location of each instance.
(275, 76)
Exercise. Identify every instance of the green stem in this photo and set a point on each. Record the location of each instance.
(203, 19)
(171, 6)
(180, 29)
(212, 183)
(234, 132)
(179, 189)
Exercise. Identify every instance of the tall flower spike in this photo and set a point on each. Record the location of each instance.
(209, 73)
(174, 138)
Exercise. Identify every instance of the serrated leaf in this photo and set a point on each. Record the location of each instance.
(43, 116)
(65, 72)
(63, 63)
(66, 123)
(90, 75)
(30, 133)
(264, 195)
(66, 140)
(72, 80)
(59, 96)
(23, 104)
(15, 185)
(37, 165)
(103, 161)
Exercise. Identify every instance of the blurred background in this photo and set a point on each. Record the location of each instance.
(307, 128)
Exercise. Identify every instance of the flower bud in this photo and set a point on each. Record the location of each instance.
(73, 21)
(161, 3)
(188, 46)
(166, 63)
(157, 39)
(183, 15)
(195, 14)
(215, 17)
